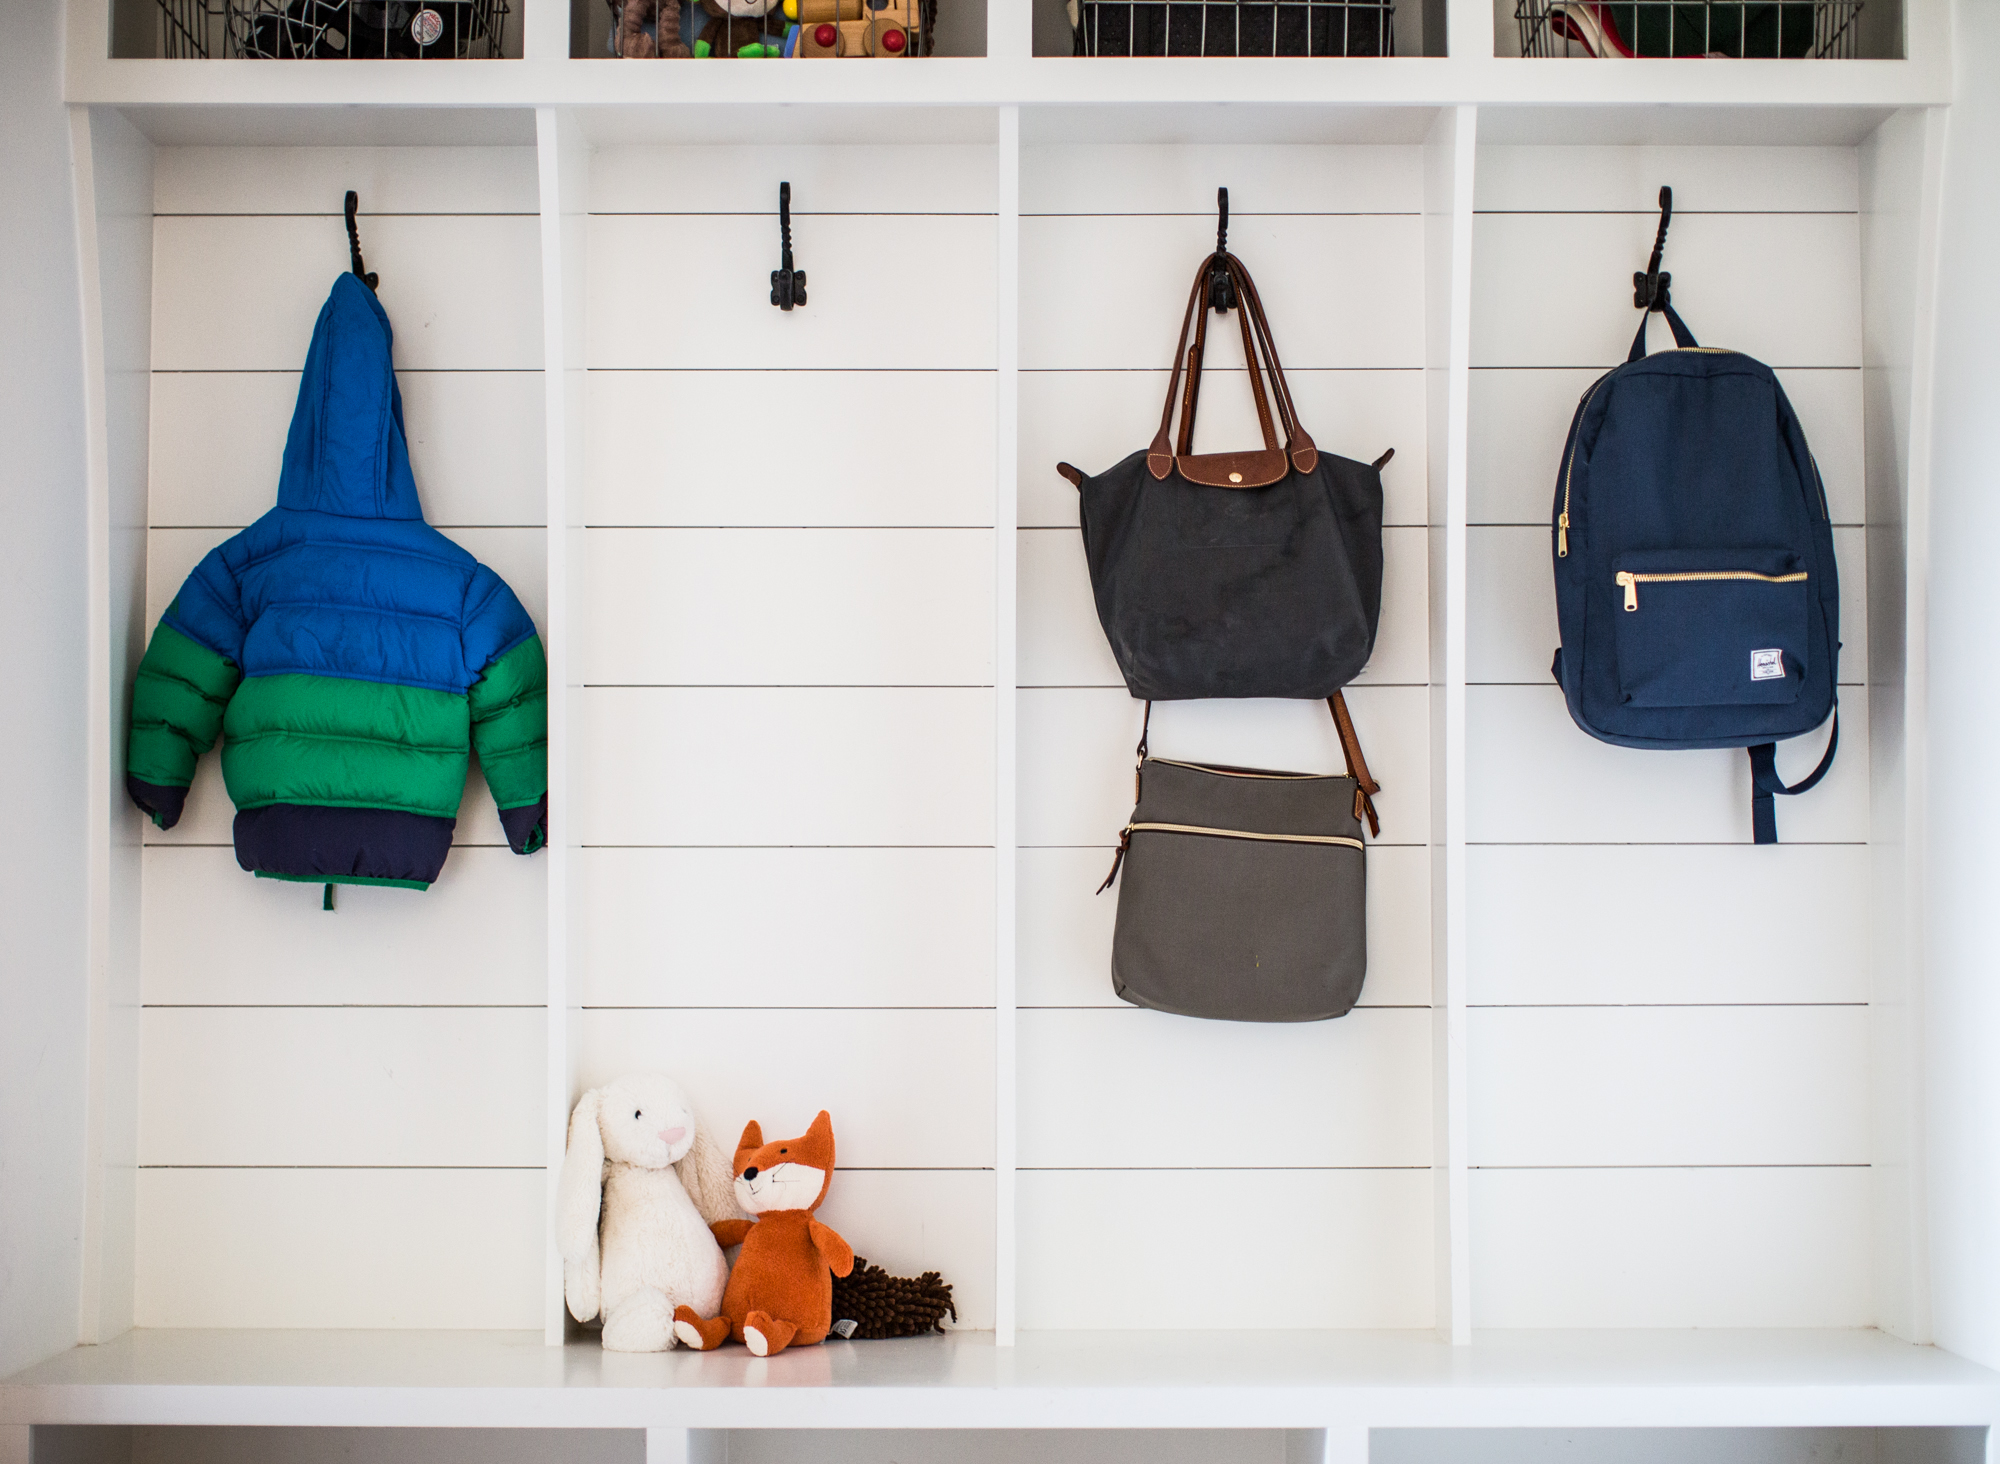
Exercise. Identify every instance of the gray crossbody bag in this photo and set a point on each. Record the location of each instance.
(1245, 891)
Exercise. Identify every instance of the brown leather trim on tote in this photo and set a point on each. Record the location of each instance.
(1075, 475)
(1235, 469)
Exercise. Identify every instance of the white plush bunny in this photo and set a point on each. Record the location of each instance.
(640, 1184)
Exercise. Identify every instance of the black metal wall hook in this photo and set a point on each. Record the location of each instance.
(354, 253)
(788, 285)
(1221, 290)
(1649, 289)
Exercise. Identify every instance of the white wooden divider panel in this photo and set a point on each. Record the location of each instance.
(241, 294)
(1099, 179)
(1062, 643)
(1065, 928)
(313, 180)
(475, 444)
(783, 765)
(340, 1247)
(1555, 924)
(450, 1087)
(860, 927)
(401, 1037)
(1510, 576)
(1616, 1086)
(858, 607)
(908, 1089)
(1092, 419)
(1521, 420)
(887, 292)
(1105, 293)
(1668, 1040)
(217, 937)
(913, 176)
(786, 799)
(1704, 179)
(1137, 1089)
(1076, 753)
(773, 449)
(1785, 288)
(1535, 779)
(1779, 1247)
(1226, 1248)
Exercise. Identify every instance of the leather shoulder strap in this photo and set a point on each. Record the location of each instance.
(1365, 786)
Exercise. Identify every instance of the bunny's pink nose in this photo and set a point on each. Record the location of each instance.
(673, 1135)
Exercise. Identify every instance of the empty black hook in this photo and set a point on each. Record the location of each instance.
(1221, 291)
(788, 285)
(1649, 289)
(354, 259)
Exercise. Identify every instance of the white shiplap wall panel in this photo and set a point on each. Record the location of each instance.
(462, 292)
(1704, 180)
(1093, 419)
(909, 1221)
(1076, 753)
(1354, 1247)
(444, 1086)
(518, 555)
(473, 937)
(1125, 178)
(1725, 268)
(340, 1247)
(1555, 924)
(788, 607)
(315, 180)
(1066, 928)
(1520, 421)
(1062, 643)
(1670, 1247)
(773, 449)
(219, 436)
(1533, 777)
(1668, 1085)
(860, 927)
(1109, 291)
(1510, 576)
(887, 292)
(907, 1089)
(1135, 1089)
(208, 815)
(775, 765)
(915, 176)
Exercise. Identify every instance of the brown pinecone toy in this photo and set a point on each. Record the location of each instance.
(881, 1305)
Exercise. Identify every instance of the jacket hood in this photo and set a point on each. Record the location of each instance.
(346, 453)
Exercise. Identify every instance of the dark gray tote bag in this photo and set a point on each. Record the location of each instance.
(1237, 574)
(1244, 894)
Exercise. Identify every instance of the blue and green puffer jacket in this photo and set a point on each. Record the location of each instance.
(348, 653)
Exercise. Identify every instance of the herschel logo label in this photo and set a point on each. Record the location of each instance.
(1767, 665)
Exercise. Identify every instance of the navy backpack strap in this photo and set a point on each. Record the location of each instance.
(1683, 337)
(1765, 782)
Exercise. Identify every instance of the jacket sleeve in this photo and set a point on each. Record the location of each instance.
(510, 709)
(189, 672)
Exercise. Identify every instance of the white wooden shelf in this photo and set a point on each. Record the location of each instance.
(1272, 1379)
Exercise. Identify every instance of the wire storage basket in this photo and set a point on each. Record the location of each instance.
(1234, 27)
(1742, 29)
(357, 30)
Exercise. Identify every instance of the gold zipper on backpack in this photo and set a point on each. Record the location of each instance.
(1569, 475)
(1630, 582)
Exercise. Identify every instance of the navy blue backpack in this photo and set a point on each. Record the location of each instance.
(1695, 584)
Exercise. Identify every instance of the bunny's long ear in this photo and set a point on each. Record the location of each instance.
(581, 1189)
(706, 1176)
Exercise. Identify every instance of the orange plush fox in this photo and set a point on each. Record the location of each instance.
(780, 1292)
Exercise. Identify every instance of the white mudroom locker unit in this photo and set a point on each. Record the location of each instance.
(1643, 1142)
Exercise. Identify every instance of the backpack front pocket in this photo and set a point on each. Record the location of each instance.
(1705, 628)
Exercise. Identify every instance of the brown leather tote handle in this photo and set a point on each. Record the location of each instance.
(1197, 355)
(1365, 786)
(1298, 442)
